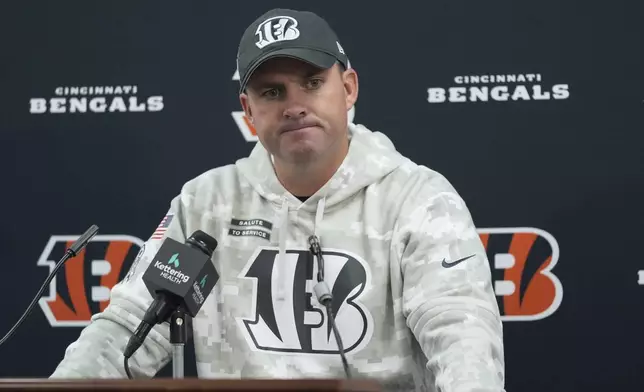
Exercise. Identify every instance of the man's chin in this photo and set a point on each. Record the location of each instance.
(300, 155)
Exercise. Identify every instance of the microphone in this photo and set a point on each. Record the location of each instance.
(324, 296)
(179, 278)
(71, 252)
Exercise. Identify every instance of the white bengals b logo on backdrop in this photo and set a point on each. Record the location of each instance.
(297, 323)
(276, 29)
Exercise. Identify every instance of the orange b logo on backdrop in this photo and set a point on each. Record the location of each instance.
(243, 123)
(82, 286)
(521, 260)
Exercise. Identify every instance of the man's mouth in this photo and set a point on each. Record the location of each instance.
(295, 127)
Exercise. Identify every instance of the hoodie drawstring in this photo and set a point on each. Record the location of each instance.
(283, 233)
(281, 258)
(319, 213)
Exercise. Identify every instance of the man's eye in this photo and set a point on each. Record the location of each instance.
(314, 83)
(272, 93)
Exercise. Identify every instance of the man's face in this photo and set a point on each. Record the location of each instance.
(300, 111)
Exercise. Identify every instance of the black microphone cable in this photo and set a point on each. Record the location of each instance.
(160, 310)
(71, 252)
(324, 296)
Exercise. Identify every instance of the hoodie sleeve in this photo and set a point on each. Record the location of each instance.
(98, 352)
(447, 295)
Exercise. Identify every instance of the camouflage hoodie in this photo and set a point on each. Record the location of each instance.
(409, 275)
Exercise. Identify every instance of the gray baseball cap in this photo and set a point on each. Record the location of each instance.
(281, 32)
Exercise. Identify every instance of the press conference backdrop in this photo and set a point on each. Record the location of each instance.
(533, 110)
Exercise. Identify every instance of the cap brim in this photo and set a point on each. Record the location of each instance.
(313, 57)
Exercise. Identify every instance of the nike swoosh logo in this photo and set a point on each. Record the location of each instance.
(456, 262)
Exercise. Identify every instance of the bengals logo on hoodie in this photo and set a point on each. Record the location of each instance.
(286, 316)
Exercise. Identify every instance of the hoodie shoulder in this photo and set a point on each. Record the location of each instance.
(421, 185)
(214, 186)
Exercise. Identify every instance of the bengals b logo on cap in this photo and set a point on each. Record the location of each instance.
(82, 286)
(521, 260)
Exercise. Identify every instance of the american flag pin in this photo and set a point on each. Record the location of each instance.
(163, 227)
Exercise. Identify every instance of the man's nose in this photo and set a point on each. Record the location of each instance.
(295, 111)
(294, 107)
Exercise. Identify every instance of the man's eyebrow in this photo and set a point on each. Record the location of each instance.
(315, 72)
(262, 84)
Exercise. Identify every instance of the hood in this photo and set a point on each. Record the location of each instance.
(371, 156)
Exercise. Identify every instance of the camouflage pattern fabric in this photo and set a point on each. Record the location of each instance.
(411, 282)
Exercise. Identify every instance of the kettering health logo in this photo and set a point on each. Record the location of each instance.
(498, 87)
(95, 99)
(171, 274)
(174, 260)
(197, 296)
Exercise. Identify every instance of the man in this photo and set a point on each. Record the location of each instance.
(410, 279)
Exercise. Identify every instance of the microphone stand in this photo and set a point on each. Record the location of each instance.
(178, 338)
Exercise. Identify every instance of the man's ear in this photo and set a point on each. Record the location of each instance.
(244, 101)
(350, 80)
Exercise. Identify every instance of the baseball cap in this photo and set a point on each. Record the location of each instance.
(281, 32)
